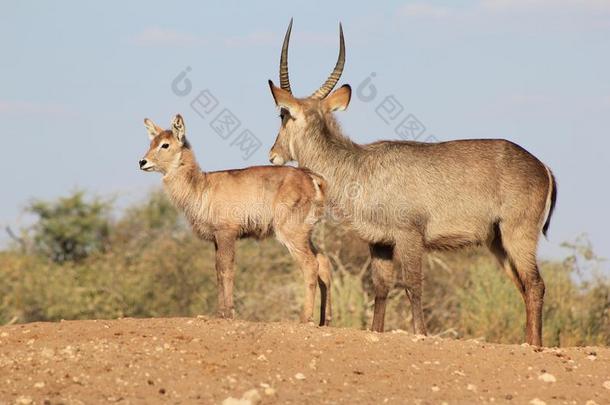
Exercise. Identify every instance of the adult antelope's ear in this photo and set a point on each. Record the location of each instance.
(152, 129)
(339, 99)
(283, 99)
(178, 128)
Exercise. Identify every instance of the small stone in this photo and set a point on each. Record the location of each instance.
(262, 357)
(313, 364)
(299, 376)
(39, 385)
(435, 388)
(592, 357)
(607, 384)
(546, 377)
(371, 337)
(235, 401)
(269, 391)
(537, 401)
(23, 400)
(471, 387)
(253, 396)
(591, 402)
(3, 334)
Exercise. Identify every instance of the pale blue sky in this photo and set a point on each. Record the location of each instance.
(78, 78)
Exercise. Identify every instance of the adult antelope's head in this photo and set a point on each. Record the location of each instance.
(166, 146)
(298, 115)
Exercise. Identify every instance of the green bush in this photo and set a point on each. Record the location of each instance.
(70, 228)
(147, 263)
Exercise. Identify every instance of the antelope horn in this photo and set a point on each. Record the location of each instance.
(284, 80)
(336, 73)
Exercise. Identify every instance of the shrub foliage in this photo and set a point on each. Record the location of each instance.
(80, 263)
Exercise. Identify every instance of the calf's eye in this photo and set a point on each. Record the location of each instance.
(165, 145)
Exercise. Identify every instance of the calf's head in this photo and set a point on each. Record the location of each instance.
(166, 146)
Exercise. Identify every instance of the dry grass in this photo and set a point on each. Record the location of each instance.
(151, 266)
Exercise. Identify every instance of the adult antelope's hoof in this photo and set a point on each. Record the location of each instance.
(308, 321)
(226, 314)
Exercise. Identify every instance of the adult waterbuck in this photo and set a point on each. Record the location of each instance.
(405, 198)
(253, 202)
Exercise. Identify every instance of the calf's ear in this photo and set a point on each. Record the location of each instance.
(152, 129)
(178, 128)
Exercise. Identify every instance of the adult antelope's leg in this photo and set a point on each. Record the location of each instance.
(383, 279)
(220, 308)
(534, 300)
(225, 257)
(408, 254)
(500, 253)
(520, 245)
(324, 281)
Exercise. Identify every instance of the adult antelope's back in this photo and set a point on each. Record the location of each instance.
(406, 198)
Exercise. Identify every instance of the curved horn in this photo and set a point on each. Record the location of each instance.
(336, 73)
(284, 80)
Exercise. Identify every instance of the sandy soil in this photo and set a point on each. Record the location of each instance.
(203, 360)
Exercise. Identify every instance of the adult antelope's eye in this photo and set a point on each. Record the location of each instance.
(165, 145)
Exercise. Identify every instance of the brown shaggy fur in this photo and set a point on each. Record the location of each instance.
(406, 198)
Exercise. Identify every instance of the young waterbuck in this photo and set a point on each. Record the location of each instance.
(253, 202)
(406, 198)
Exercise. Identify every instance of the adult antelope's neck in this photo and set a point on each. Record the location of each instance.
(325, 150)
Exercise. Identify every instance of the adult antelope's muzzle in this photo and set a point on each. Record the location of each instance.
(276, 159)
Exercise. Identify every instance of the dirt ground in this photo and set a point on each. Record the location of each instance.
(202, 360)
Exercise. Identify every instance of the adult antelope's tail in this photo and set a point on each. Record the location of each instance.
(551, 199)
